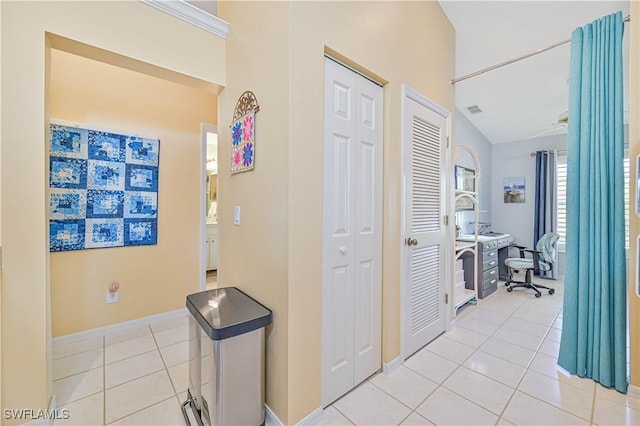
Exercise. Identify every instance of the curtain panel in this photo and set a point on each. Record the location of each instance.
(594, 331)
(546, 210)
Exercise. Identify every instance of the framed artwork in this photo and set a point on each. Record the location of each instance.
(243, 143)
(464, 181)
(513, 189)
(243, 133)
(103, 189)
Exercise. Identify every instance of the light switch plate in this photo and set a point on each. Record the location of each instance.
(236, 215)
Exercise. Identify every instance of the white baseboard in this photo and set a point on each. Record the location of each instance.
(634, 391)
(101, 331)
(270, 418)
(389, 367)
(312, 418)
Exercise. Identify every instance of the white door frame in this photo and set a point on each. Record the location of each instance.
(409, 93)
(204, 129)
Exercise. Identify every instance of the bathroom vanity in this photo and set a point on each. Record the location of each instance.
(211, 245)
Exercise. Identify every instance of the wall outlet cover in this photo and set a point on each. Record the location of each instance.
(112, 297)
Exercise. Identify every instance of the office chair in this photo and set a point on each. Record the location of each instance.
(542, 259)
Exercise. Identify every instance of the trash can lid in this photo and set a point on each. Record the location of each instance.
(227, 312)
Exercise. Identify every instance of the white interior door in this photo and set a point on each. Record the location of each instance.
(425, 255)
(352, 231)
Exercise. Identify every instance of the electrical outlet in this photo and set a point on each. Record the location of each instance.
(112, 297)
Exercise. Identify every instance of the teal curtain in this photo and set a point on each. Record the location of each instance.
(594, 326)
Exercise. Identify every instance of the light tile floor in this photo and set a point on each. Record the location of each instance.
(131, 377)
(497, 365)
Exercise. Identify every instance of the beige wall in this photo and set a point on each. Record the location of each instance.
(153, 279)
(0, 215)
(634, 151)
(286, 196)
(408, 43)
(254, 255)
(131, 29)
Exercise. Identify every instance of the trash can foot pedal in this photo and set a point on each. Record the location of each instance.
(191, 403)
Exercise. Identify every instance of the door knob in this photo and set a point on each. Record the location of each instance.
(412, 242)
(343, 250)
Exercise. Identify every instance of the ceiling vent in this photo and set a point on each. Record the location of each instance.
(474, 109)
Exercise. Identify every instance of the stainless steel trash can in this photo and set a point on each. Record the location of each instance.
(226, 357)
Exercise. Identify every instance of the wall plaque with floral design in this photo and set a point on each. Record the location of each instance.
(243, 137)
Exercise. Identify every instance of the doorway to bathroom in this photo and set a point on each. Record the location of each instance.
(210, 207)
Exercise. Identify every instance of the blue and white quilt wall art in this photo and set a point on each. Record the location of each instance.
(104, 189)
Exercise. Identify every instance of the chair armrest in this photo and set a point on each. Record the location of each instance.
(534, 255)
(519, 247)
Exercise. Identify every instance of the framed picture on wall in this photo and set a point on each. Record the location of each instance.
(513, 189)
(465, 179)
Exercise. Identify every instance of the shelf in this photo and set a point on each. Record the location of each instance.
(466, 252)
(462, 295)
(461, 245)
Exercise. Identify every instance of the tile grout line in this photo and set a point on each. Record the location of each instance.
(441, 385)
(526, 370)
(165, 364)
(499, 416)
(343, 414)
(84, 351)
(140, 410)
(104, 362)
(146, 375)
(132, 380)
(104, 342)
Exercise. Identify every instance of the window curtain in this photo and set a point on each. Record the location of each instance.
(593, 342)
(546, 206)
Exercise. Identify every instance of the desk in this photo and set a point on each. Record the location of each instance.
(492, 251)
(503, 254)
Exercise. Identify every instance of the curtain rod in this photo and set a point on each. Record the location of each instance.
(533, 154)
(519, 58)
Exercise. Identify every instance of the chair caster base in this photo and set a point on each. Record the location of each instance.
(551, 291)
(538, 295)
(509, 289)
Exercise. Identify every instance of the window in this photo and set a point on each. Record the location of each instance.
(562, 200)
(561, 174)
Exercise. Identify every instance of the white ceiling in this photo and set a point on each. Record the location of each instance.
(525, 98)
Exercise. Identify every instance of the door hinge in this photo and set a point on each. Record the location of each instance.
(447, 141)
(446, 220)
(446, 298)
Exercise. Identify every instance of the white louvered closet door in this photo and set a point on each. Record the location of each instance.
(425, 236)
